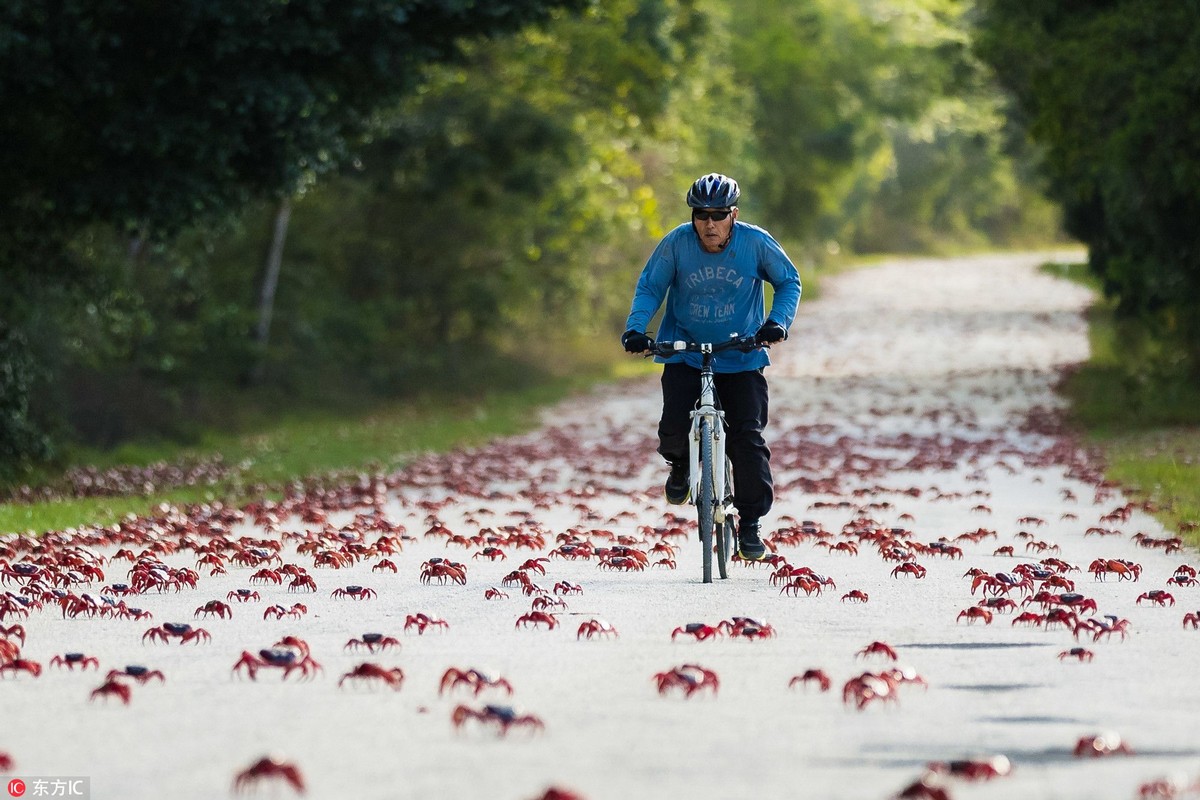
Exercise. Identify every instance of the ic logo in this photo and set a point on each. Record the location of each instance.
(16, 787)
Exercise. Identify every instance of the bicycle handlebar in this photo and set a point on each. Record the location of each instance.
(667, 349)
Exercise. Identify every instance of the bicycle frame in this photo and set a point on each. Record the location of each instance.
(710, 469)
(706, 408)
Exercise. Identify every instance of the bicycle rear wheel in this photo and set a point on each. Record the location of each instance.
(724, 535)
(705, 500)
(729, 528)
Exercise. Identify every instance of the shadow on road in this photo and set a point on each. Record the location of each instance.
(971, 645)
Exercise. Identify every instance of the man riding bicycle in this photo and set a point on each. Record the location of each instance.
(711, 274)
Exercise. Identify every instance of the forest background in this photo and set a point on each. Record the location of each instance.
(218, 212)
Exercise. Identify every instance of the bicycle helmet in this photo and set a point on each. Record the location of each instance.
(714, 191)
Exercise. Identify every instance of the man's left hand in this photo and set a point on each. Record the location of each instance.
(770, 332)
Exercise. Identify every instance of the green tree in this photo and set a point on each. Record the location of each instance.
(1110, 92)
(153, 117)
(506, 200)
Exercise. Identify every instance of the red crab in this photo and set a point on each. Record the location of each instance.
(621, 563)
(354, 592)
(595, 627)
(1076, 601)
(21, 665)
(817, 675)
(844, 547)
(801, 583)
(855, 596)
(555, 793)
(1103, 744)
(1029, 618)
(690, 678)
(515, 578)
(385, 564)
(393, 677)
(495, 594)
(125, 612)
(473, 679)
(372, 642)
(1109, 627)
(973, 769)
(536, 618)
(22, 573)
(69, 660)
(697, 630)
(269, 768)
(998, 604)
(1125, 570)
(535, 565)
(1080, 653)
(862, 689)
(878, 648)
(976, 613)
(243, 595)
(214, 560)
(1061, 616)
(214, 607)
(176, 630)
(137, 672)
(112, 688)
(284, 658)
(442, 570)
(746, 627)
(422, 621)
(15, 631)
(302, 582)
(491, 554)
(544, 601)
(923, 788)
(1192, 618)
(1158, 597)
(504, 717)
(565, 587)
(267, 576)
(909, 568)
(279, 612)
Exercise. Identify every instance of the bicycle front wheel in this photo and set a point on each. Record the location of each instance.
(705, 499)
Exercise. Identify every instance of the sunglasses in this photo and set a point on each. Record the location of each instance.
(704, 216)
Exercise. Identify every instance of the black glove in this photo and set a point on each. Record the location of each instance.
(770, 332)
(635, 341)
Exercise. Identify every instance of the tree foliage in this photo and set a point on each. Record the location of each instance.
(150, 118)
(1110, 91)
(150, 115)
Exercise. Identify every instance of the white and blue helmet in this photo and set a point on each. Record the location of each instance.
(714, 191)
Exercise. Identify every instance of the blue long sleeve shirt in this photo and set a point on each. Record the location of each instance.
(711, 297)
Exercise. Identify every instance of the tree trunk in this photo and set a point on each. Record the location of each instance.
(266, 297)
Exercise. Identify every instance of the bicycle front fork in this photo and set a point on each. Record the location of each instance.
(719, 465)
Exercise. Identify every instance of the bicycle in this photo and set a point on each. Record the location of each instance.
(710, 471)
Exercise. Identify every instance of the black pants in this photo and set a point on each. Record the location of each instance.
(743, 398)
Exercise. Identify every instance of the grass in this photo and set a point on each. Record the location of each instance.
(311, 446)
(1142, 417)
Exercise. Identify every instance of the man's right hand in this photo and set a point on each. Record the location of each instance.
(635, 341)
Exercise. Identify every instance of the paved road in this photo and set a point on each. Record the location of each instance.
(914, 396)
